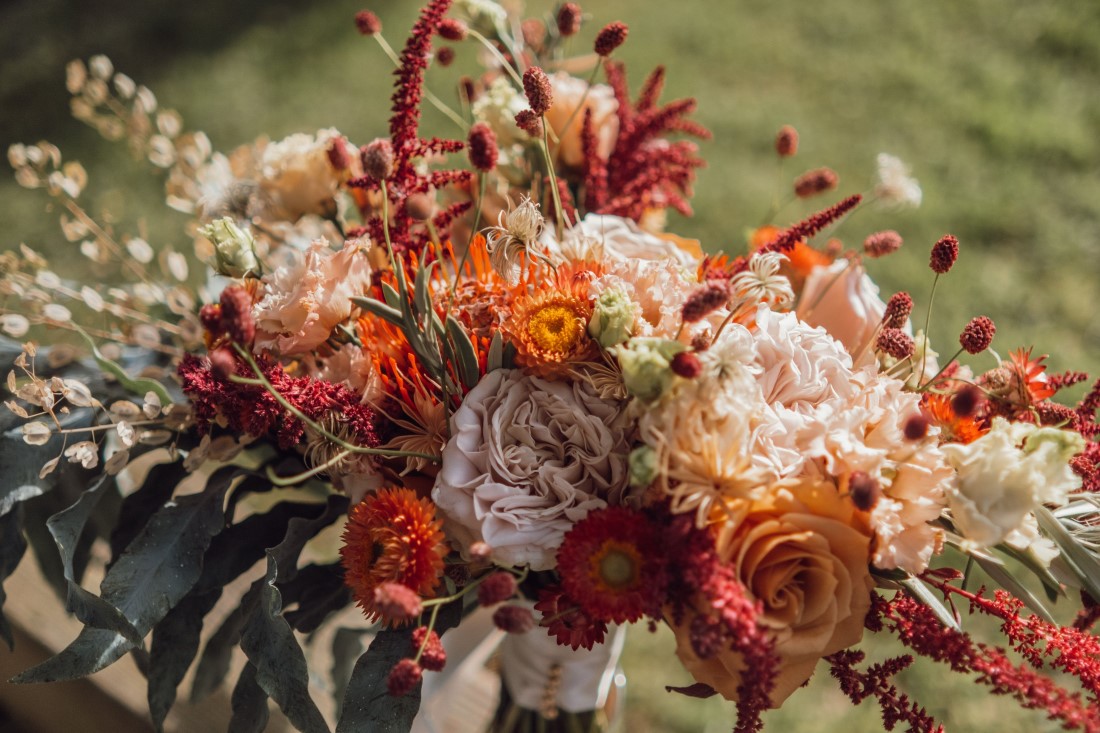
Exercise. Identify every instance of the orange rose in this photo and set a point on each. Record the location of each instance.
(803, 554)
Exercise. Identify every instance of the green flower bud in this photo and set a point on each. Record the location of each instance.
(643, 466)
(645, 366)
(234, 249)
(1061, 445)
(612, 318)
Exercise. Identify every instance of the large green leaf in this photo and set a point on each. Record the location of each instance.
(319, 590)
(249, 704)
(140, 505)
(213, 665)
(157, 570)
(281, 669)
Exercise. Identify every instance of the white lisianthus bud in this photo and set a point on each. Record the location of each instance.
(234, 249)
(612, 319)
(643, 466)
(1004, 475)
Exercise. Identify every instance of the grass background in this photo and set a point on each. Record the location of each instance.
(994, 103)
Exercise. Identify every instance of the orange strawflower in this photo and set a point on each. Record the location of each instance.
(801, 259)
(392, 536)
(549, 328)
(953, 427)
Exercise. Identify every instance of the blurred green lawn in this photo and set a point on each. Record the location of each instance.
(994, 103)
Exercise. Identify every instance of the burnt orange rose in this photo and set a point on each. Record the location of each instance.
(801, 553)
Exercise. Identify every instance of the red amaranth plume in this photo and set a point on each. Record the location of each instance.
(858, 686)
(811, 226)
(644, 169)
(1073, 651)
(409, 147)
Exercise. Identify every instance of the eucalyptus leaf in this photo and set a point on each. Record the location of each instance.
(213, 665)
(496, 353)
(281, 671)
(157, 570)
(393, 298)
(136, 385)
(422, 298)
(347, 645)
(12, 547)
(140, 505)
(249, 704)
(996, 570)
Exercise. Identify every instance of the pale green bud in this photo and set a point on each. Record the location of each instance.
(643, 466)
(234, 249)
(645, 366)
(612, 318)
(1061, 445)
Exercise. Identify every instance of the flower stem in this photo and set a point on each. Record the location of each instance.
(560, 216)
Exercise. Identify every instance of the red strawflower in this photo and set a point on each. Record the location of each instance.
(404, 676)
(426, 643)
(536, 86)
(978, 335)
(816, 181)
(482, 147)
(895, 343)
(368, 23)
(453, 29)
(569, 19)
(944, 254)
(496, 588)
(514, 619)
(881, 244)
(898, 309)
(610, 37)
(608, 564)
(564, 620)
(786, 141)
(392, 536)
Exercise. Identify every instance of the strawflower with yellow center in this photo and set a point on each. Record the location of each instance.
(550, 332)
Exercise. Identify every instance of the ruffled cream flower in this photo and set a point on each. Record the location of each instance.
(297, 176)
(1006, 474)
(843, 300)
(305, 300)
(612, 239)
(527, 459)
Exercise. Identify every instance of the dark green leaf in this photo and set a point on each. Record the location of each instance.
(158, 568)
(249, 704)
(12, 547)
(20, 463)
(281, 670)
(300, 531)
(318, 590)
(468, 369)
(213, 665)
(155, 491)
(66, 528)
(347, 645)
(231, 553)
(367, 706)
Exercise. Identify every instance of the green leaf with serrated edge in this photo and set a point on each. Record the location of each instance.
(496, 353)
(924, 594)
(12, 547)
(1085, 565)
(381, 310)
(158, 568)
(248, 703)
(996, 570)
(281, 671)
(231, 553)
(468, 369)
(66, 527)
(347, 645)
(135, 385)
(214, 662)
(367, 705)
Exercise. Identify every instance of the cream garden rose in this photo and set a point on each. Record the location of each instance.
(568, 93)
(843, 300)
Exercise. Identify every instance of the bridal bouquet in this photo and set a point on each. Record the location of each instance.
(485, 363)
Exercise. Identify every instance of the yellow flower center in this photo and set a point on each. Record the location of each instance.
(615, 566)
(555, 328)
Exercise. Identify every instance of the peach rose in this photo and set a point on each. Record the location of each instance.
(568, 92)
(801, 552)
(842, 299)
